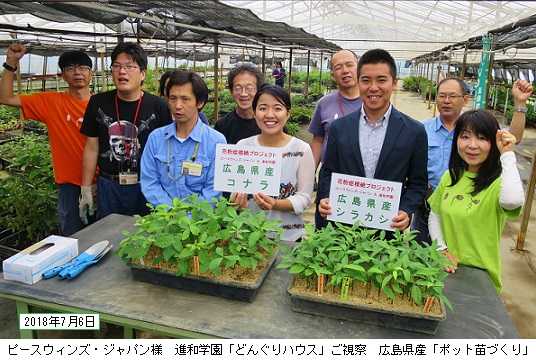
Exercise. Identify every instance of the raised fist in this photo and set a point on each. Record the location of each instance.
(505, 141)
(521, 91)
(14, 53)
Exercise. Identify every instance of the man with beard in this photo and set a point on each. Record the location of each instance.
(117, 124)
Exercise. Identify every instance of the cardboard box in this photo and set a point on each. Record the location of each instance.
(28, 265)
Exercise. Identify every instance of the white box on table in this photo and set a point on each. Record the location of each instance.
(28, 265)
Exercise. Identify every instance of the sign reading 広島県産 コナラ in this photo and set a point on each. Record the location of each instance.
(247, 169)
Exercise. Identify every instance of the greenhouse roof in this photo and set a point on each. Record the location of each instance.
(406, 28)
(520, 34)
(187, 21)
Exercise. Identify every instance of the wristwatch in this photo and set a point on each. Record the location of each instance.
(9, 67)
(521, 109)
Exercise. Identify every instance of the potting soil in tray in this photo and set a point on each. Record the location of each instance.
(377, 310)
(237, 283)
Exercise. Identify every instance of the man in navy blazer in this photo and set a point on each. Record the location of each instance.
(378, 141)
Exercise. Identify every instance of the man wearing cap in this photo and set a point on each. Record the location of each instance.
(117, 124)
(62, 113)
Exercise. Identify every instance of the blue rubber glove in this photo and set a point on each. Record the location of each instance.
(83, 258)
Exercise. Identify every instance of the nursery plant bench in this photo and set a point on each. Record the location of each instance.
(109, 289)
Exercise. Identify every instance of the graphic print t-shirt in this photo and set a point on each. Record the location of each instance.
(121, 141)
(236, 128)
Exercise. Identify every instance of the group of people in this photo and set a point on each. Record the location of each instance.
(458, 171)
(115, 151)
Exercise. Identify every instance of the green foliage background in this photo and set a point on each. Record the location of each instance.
(28, 195)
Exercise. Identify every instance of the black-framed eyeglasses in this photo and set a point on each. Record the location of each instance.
(127, 67)
(73, 68)
(250, 89)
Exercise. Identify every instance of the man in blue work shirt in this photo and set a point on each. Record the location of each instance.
(179, 158)
(451, 99)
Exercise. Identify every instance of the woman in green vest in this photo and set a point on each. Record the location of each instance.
(481, 189)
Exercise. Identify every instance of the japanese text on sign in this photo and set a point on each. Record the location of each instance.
(371, 202)
(247, 169)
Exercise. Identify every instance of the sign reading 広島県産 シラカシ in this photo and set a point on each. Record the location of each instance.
(247, 169)
(371, 202)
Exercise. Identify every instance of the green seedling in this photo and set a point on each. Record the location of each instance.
(201, 237)
(352, 258)
(28, 196)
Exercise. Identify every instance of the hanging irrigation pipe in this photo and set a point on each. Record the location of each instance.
(54, 37)
(155, 41)
(375, 40)
(531, 40)
(82, 42)
(31, 30)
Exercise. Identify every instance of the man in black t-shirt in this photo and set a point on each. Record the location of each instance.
(117, 124)
(243, 81)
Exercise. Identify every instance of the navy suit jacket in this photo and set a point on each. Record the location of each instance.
(403, 157)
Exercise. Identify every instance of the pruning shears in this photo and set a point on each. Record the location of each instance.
(74, 267)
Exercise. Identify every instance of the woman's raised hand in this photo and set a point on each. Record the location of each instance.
(505, 141)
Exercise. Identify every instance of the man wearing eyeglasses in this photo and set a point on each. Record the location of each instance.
(451, 99)
(337, 104)
(117, 124)
(179, 159)
(62, 113)
(243, 82)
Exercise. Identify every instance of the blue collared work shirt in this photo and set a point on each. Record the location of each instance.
(161, 164)
(439, 147)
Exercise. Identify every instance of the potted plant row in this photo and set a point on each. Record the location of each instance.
(202, 246)
(358, 274)
(28, 195)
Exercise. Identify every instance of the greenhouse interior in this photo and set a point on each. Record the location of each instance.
(178, 169)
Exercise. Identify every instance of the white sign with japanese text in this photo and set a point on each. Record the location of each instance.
(372, 202)
(247, 169)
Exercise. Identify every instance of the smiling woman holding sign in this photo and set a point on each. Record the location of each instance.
(272, 111)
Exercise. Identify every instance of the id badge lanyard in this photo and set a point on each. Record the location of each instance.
(134, 121)
(192, 159)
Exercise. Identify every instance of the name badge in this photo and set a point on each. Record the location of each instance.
(192, 168)
(128, 178)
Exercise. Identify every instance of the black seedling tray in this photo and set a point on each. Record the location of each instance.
(232, 290)
(342, 310)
